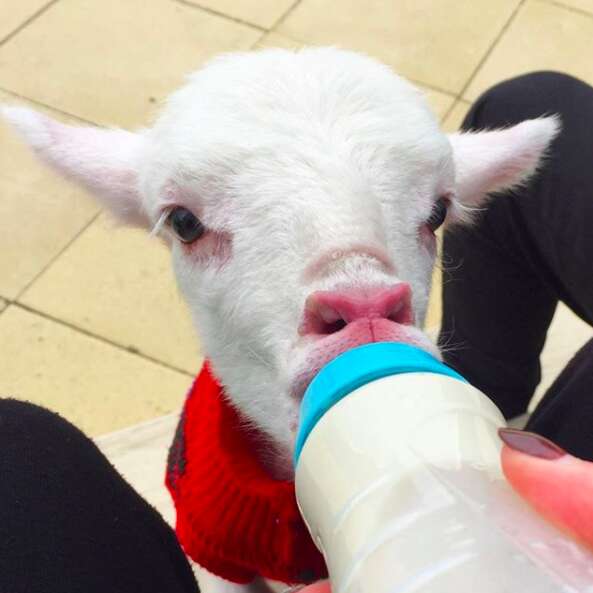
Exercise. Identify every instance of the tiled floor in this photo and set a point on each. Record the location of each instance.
(90, 322)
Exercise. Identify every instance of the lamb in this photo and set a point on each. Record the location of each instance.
(299, 192)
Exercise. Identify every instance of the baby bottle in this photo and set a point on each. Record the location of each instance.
(398, 479)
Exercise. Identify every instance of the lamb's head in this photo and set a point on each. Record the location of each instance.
(299, 192)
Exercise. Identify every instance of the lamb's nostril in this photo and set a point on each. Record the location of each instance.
(332, 328)
(400, 316)
(394, 316)
(321, 318)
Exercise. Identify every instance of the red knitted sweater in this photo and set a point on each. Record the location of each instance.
(232, 518)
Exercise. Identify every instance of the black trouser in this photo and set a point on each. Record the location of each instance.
(530, 249)
(69, 523)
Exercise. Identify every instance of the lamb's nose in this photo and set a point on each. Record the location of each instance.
(327, 312)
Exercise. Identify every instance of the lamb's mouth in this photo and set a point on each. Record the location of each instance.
(362, 331)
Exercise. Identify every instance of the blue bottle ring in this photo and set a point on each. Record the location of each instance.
(356, 368)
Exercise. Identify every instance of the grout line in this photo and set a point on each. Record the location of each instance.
(28, 21)
(430, 86)
(228, 17)
(574, 9)
(453, 105)
(284, 16)
(129, 349)
(489, 51)
(297, 41)
(51, 107)
(254, 45)
(56, 256)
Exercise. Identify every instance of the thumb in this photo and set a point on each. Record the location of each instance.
(556, 484)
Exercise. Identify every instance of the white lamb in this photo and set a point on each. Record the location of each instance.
(299, 193)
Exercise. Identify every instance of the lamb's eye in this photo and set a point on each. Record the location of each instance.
(185, 225)
(438, 214)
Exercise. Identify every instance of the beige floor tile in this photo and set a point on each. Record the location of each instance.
(118, 283)
(455, 118)
(139, 453)
(427, 40)
(110, 61)
(99, 387)
(543, 36)
(3, 305)
(586, 5)
(40, 213)
(566, 336)
(16, 12)
(432, 322)
(276, 40)
(262, 13)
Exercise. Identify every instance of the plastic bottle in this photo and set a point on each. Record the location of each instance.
(398, 478)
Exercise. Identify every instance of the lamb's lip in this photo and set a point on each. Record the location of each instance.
(298, 392)
(418, 339)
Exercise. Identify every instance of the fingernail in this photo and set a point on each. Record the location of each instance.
(530, 443)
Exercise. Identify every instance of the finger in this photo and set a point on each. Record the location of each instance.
(556, 484)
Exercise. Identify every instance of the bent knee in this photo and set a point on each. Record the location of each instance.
(529, 96)
(23, 422)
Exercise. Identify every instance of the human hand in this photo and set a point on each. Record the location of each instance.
(557, 485)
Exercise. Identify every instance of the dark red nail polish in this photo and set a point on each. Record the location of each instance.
(530, 443)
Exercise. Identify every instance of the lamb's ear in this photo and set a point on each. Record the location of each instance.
(103, 161)
(487, 162)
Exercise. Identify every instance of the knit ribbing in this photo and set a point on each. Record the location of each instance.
(233, 518)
